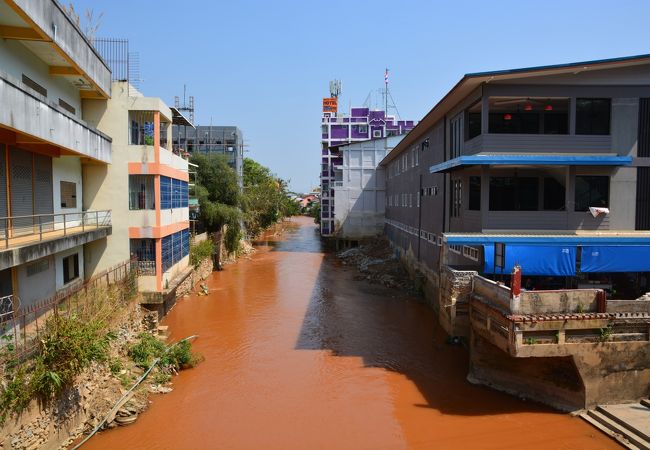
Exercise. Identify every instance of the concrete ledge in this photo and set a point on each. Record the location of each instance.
(163, 297)
(33, 251)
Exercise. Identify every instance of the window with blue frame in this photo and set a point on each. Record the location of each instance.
(185, 242)
(174, 248)
(185, 194)
(176, 193)
(167, 253)
(177, 247)
(173, 193)
(165, 192)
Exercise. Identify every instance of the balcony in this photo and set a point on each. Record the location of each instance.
(538, 143)
(27, 238)
(48, 32)
(37, 121)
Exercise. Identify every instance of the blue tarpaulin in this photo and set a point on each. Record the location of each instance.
(559, 260)
(624, 258)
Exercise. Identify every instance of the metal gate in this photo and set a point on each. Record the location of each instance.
(43, 191)
(22, 198)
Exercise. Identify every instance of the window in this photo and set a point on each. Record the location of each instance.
(591, 191)
(417, 158)
(474, 193)
(363, 129)
(68, 194)
(455, 248)
(141, 192)
(143, 249)
(513, 194)
(376, 133)
(34, 85)
(70, 268)
(457, 196)
(529, 115)
(67, 106)
(470, 252)
(593, 115)
(165, 192)
(554, 194)
(38, 266)
(142, 128)
(473, 121)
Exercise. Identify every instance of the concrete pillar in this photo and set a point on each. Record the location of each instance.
(485, 113)
(561, 337)
(159, 265)
(485, 195)
(156, 136)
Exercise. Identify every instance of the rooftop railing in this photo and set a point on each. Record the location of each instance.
(22, 230)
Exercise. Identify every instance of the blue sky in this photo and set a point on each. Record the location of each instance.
(265, 65)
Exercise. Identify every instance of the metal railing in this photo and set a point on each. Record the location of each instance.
(22, 326)
(20, 230)
(146, 267)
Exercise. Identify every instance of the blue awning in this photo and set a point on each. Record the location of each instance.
(623, 258)
(532, 160)
(555, 260)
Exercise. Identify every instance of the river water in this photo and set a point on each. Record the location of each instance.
(299, 355)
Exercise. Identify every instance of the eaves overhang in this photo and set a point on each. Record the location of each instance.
(472, 81)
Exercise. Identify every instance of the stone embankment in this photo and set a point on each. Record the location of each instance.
(377, 263)
(81, 407)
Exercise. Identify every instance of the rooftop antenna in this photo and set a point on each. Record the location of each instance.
(335, 88)
(189, 107)
(388, 98)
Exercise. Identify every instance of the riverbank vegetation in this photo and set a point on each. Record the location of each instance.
(260, 201)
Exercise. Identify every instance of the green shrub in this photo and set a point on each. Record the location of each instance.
(200, 251)
(15, 396)
(146, 350)
(176, 356)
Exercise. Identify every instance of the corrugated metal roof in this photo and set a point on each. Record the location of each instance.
(483, 159)
(560, 237)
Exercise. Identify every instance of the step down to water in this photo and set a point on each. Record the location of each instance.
(614, 435)
(634, 416)
(613, 428)
(645, 402)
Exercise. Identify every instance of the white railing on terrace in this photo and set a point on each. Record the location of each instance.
(22, 230)
(146, 267)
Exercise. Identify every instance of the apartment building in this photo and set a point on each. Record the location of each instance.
(47, 71)
(146, 186)
(337, 129)
(222, 140)
(531, 158)
(523, 197)
(360, 189)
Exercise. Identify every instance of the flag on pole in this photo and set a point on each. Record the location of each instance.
(386, 76)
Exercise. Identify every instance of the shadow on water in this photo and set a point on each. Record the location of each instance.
(393, 330)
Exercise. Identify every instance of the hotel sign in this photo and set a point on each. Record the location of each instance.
(330, 104)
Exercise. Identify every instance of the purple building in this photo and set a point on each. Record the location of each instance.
(337, 129)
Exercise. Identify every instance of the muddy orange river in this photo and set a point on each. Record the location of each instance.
(299, 355)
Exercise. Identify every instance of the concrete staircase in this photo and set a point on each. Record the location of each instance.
(628, 423)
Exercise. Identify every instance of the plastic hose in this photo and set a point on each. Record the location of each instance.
(127, 393)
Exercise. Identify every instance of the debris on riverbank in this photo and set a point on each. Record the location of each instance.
(377, 263)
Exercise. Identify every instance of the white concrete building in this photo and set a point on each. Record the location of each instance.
(360, 188)
(146, 186)
(47, 70)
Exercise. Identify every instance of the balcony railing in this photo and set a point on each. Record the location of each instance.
(22, 230)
